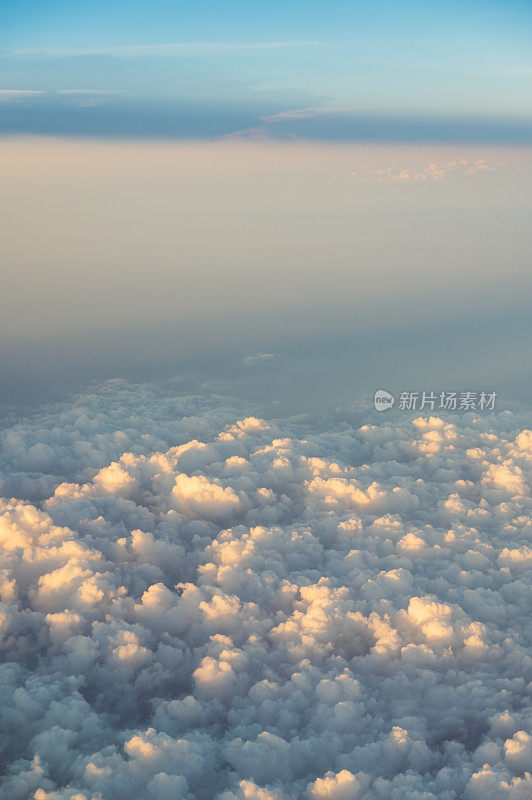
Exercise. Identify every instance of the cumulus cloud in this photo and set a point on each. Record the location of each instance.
(433, 172)
(198, 603)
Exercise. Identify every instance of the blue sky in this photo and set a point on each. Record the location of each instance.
(379, 70)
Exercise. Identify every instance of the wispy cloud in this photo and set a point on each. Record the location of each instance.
(85, 98)
(258, 358)
(15, 94)
(296, 114)
(168, 50)
(89, 91)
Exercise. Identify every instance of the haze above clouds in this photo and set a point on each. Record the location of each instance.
(149, 259)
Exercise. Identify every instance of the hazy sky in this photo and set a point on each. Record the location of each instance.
(374, 264)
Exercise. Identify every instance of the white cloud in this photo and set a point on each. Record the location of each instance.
(197, 603)
(343, 786)
(164, 50)
(16, 94)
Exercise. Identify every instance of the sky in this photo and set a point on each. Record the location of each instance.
(381, 71)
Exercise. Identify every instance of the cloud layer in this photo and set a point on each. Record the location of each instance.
(197, 603)
(340, 125)
(251, 114)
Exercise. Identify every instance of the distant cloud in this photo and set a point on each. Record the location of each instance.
(259, 358)
(357, 125)
(25, 94)
(296, 114)
(254, 116)
(120, 114)
(15, 94)
(89, 91)
(432, 172)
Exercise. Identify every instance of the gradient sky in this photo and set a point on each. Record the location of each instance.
(356, 265)
(369, 71)
(300, 213)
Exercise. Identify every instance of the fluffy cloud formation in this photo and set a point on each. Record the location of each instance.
(432, 172)
(197, 603)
